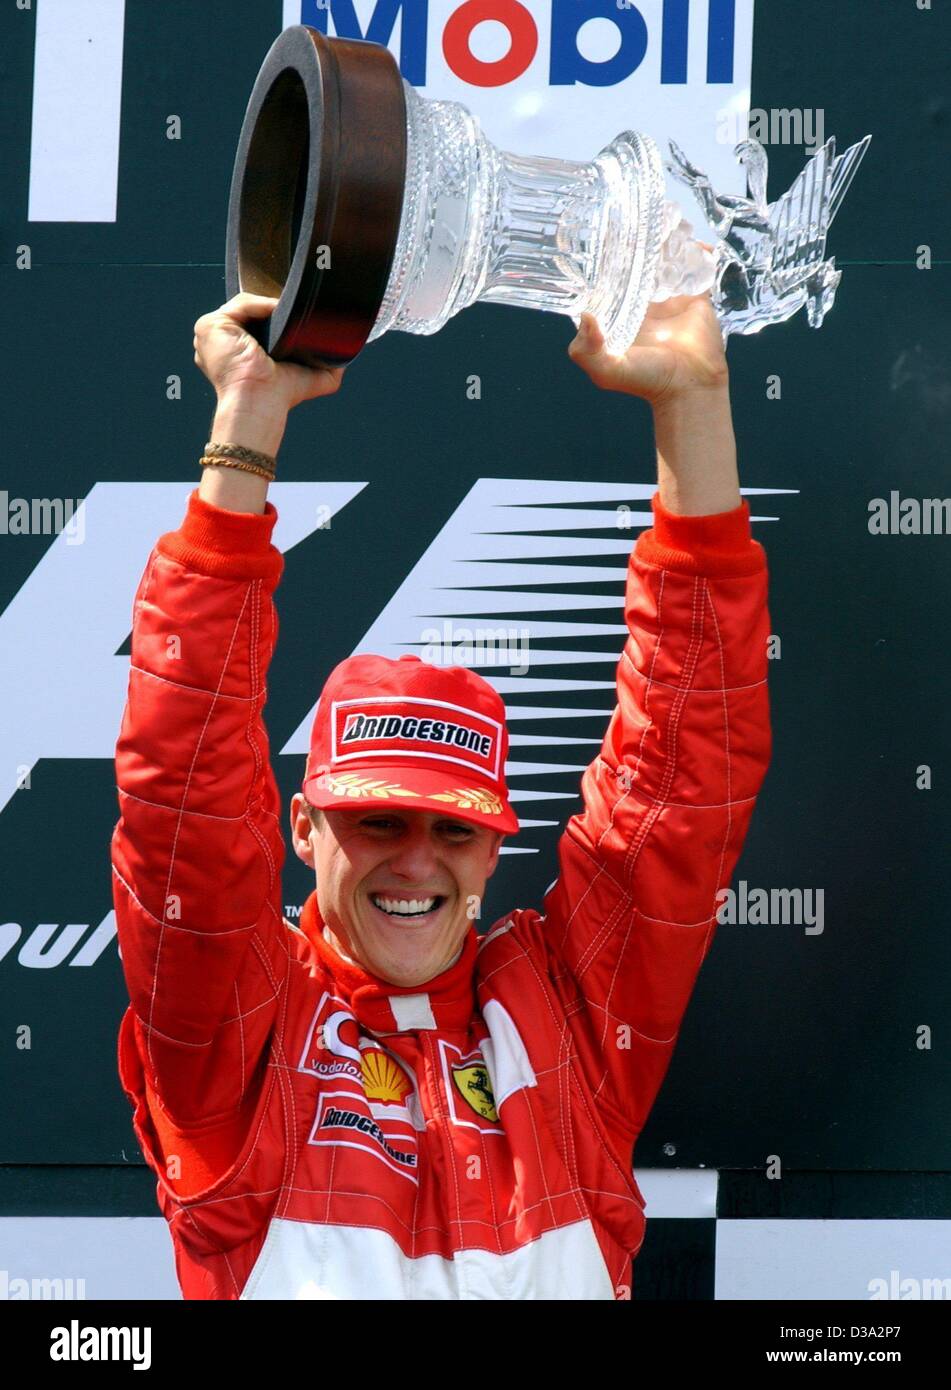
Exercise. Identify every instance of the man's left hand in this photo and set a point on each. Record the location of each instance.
(678, 352)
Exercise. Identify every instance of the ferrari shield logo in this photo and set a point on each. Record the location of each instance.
(472, 1083)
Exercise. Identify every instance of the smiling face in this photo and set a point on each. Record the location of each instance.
(396, 888)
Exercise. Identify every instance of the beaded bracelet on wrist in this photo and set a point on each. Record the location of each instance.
(240, 451)
(241, 464)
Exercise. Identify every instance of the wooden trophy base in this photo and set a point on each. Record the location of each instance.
(317, 192)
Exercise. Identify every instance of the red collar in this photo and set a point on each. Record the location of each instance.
(446, 1003)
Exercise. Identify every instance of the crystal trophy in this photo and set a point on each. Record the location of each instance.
(366, 208)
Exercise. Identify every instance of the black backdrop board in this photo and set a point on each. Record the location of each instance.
(795, 1044)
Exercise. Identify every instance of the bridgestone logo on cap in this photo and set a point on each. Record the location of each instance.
(434, 730)
(361, 726)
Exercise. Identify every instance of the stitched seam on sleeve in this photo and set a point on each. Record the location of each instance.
(729, 771)
(171, 866)
(671, 731)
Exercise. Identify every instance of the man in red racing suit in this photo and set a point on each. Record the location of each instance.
(320, 1132)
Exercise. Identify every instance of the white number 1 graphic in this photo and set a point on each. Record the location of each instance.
(77, 106)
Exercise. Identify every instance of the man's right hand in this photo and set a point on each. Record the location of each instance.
(254, 393)
(236, 364)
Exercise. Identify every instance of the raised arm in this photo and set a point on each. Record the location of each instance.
(197, 852)
(668, 800)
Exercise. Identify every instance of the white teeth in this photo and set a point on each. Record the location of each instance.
(405, 907)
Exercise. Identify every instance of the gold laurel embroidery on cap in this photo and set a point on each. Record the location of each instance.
(349, 784)
(471, 798)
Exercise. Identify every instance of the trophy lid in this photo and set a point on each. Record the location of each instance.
(317, 192)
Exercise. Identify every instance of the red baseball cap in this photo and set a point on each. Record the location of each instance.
(411, 735)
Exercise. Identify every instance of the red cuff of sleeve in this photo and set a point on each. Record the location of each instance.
(721, 544)
(229, 545)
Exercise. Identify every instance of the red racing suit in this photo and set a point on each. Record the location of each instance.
(318, 1133)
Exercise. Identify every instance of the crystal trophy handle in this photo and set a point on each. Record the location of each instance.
(367, 208)
(482, 224)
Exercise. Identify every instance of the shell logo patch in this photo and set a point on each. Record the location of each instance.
(383, 1078)
(472, 1083)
